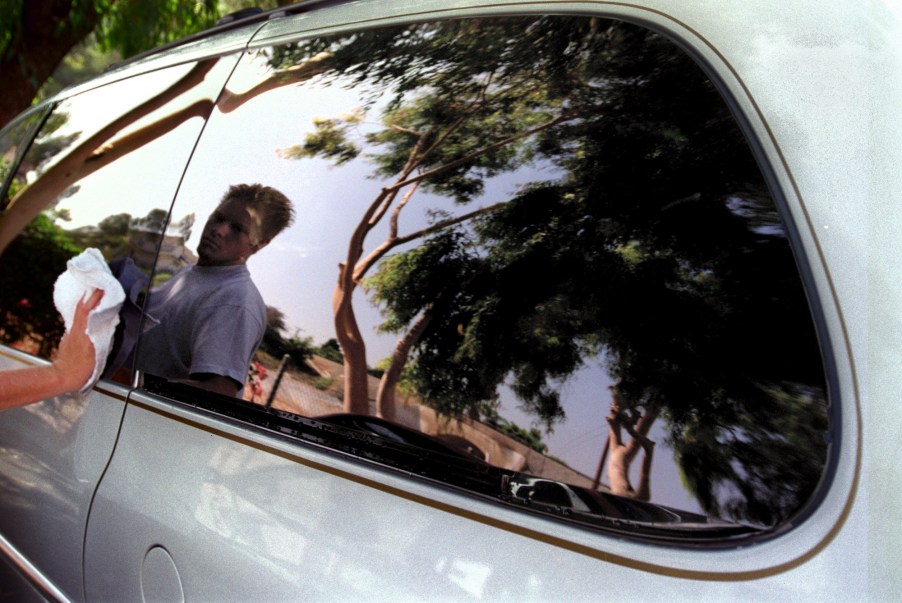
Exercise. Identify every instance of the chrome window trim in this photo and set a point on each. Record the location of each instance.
(30, 572)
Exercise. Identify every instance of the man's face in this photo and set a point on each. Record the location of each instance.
(227, 236)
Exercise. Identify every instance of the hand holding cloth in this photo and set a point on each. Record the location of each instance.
(85, 273)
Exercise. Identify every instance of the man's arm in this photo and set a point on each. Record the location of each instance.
(72, 368)
(222, 340)
(215, 383)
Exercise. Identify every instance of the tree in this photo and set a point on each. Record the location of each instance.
(658, 252)
(36, 36)
(86, 154)
(276, 344)
(30, 318)
(438, 266)
(465, 107)
(92, 152)
(75, 157)
(330, 350)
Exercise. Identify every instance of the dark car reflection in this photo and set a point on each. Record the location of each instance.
(399, 433)
(617, 512)
(594, 507)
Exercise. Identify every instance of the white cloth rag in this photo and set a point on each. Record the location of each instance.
(85, 273)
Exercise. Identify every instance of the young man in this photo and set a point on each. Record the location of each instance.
(210, 317)
(72, 367)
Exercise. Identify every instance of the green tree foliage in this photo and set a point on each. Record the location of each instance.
(464, 108)
(330, 350)
(85, 60)
(36, 36)
(133, 27)
(276, 344)
(72, 40)
(30, 318)
(757, 464)
(110, 237)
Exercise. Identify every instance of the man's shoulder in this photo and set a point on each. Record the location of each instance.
(220, 277)
(235, 289)
(205, 290)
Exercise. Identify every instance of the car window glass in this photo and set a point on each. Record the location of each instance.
(14, 138)
(101, 173)
(544, 239)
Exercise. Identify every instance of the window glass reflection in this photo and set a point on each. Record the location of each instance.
(206, 321)
(541, 241)
(15, 138)
(101, 173)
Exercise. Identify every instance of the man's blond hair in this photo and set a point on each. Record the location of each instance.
(271, 211)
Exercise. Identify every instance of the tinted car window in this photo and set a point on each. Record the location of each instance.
(543, 236)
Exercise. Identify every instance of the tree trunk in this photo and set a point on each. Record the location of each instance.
(355, 266)
(46, 32)
(353, 347)
(622, 454)
(385, 398)
(98, 151)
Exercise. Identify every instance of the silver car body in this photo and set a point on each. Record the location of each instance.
(125, 495)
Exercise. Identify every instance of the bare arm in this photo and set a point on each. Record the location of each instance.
(71, 369)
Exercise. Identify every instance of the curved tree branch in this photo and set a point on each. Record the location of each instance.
(364, 266)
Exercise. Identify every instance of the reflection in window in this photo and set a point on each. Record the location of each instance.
(15, 138)
(101, 173)
(554, 218)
